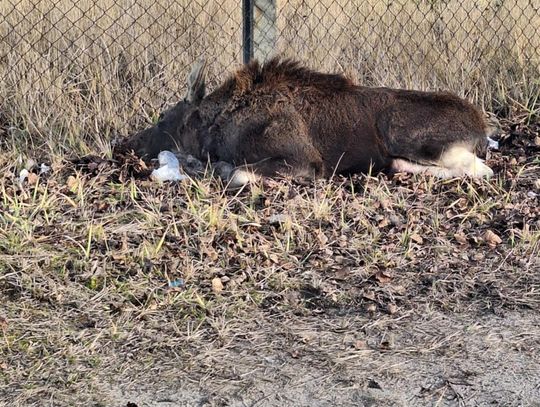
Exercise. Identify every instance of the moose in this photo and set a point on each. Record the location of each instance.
(283, 118)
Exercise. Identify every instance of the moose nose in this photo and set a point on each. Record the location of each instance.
(144, 140)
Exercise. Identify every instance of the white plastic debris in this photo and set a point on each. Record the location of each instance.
(168, 158)
(23, 175)
(169, 168)
(493, 144)
(44, 168)
(278, 218)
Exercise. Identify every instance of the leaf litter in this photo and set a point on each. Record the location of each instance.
(356, 281)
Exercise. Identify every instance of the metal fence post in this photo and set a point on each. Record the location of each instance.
(247, 30)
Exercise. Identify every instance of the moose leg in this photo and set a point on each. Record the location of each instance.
(462, 161)
(271, 167)
(455, 162)
(401, 165)
(283, 148)
(440, 133)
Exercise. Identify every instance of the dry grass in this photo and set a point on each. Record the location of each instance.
(351, 283)
(106, 280)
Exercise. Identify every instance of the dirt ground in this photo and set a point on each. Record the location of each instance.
(444, 360)
(366, 291)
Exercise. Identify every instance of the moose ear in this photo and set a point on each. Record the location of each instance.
(196, 82)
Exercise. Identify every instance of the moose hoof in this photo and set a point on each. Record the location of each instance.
(223, 170)
(479, 169)
(240, 177)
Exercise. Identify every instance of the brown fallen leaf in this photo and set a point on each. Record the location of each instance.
(295, 354)
(491, 238)
(343, 273)
(383, 223)
(383, 277)
(460, 238)
(369, 295)
(32, 178)
(371, 308)
(415, 237)
(101, 206)
(217, 285)
(72, 183)
(392, 309)
(322, 238)
(360, 344)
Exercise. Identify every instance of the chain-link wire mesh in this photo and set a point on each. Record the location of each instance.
(85, 69)
(487, 50)
(91, 67)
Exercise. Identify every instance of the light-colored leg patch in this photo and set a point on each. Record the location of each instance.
(241, 177)
(400, 165)
(457, 161)
(461, 161)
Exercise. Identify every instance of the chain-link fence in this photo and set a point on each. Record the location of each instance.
(88, 67)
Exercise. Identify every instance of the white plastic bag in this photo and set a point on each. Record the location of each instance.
(169, 168)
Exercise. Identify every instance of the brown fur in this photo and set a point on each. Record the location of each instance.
(284, 118)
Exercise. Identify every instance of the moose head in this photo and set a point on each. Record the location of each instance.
(178, 126)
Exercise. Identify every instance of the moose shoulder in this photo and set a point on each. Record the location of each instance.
(282, 118)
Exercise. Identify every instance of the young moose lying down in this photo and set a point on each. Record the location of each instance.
(282, 118)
